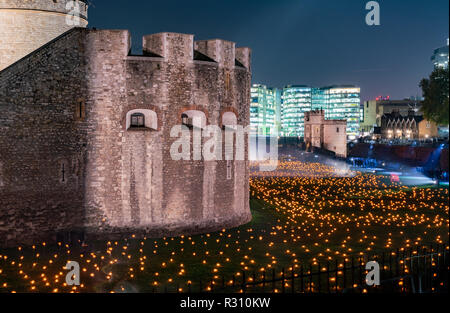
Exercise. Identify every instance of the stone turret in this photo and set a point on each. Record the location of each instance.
(27, 25)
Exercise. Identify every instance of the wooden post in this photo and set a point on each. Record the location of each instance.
(319, 284)
(344, 275)
(264, 280)
(273, 280)
(292, 280)
(336, 277)
(360, 272)
(310, 277)
(301, 278)
(328, 277)
(353, 272)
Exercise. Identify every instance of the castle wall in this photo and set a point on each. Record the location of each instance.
(157, 193)
(42, 144)
(78, 91)
(27, 25)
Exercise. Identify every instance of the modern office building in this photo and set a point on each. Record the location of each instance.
(339, 103)
(296, 100)
(440, 57)
(265, 110)
(375, 109)
(282, 112)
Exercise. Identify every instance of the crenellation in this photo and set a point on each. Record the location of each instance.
(221, 51)
(174, 47)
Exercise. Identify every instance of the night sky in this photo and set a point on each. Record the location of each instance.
(311, 42)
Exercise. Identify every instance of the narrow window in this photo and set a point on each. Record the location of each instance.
(63, 172)
(137, 120)
(80, 110)
(337, 130)
(229, 170)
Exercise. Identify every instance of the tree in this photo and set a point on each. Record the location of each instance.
(435, 90)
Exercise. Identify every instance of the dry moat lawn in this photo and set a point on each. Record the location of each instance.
(297, 221)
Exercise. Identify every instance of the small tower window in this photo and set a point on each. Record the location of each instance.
(337, 130)
(137, 120)
(80, 110)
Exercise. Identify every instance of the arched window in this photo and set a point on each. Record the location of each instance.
(137, 120)
(142, 119)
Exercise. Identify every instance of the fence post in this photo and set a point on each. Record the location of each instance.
(390, 265)
(292, 280)
(310, 278)
(328, 277)
(344, 273)
(273, 280)
(282, 280)
(425, 275)
(319, 284)
(264, 280)
(336, 276)
(360, 272)
(397, 257)
(353, 272)
(301, 278)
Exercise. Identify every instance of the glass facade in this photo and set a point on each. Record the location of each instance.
(284, 110)
(265, 110)
(440, 57)
(340, 103)
(296, 100)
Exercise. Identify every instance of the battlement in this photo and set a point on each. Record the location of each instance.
(181, 48)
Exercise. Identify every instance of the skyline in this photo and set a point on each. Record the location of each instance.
(289, 38)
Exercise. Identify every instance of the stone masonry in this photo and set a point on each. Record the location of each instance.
(69, 162)
(25, 25)
(325, 134)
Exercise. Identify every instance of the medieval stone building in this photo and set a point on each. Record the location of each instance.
(85, 129)
(325, 134)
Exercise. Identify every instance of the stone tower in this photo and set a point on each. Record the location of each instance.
(26, 25)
